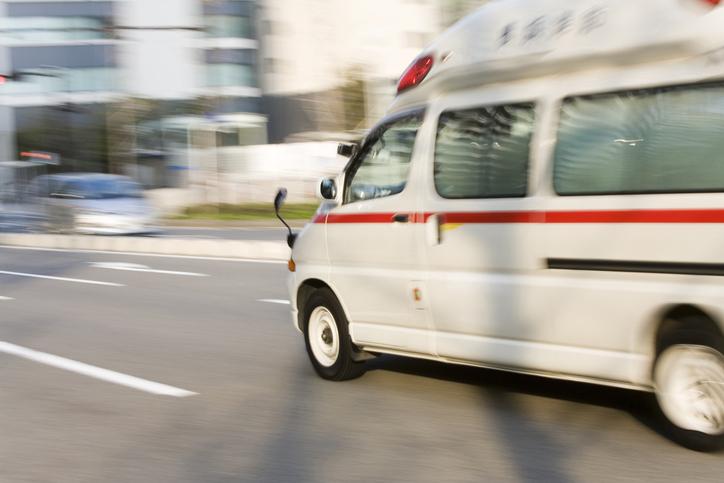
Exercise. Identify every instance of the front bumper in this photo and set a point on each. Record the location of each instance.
(292, 288)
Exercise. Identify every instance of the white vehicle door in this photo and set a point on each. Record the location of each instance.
(372, 241)
(483, 235)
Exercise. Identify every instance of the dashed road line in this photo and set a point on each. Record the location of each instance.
(61, 279)
(5, 298)
(93, 371)
(132, 267)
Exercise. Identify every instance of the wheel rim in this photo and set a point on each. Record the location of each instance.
(690, 387)
(323, 336)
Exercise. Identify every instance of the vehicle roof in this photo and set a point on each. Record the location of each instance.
(516, 39)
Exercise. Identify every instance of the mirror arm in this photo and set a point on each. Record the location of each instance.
(291, 237)
(278, 201)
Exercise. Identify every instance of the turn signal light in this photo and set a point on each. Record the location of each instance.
(416, 73)
(292, 266)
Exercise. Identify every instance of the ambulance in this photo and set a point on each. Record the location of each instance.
(545, 196)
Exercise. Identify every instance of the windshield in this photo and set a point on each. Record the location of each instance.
(103, 189)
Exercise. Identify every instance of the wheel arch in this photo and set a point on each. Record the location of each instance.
(305, 291)
(674, 317)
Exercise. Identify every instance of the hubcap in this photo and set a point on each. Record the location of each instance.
(690, 387)
(323, 336)
(327, 337)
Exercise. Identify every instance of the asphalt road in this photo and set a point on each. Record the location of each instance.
(258, 412)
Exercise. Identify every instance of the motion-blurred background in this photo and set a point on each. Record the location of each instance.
(202, 102)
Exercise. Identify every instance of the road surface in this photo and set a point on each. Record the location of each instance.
(158, 369)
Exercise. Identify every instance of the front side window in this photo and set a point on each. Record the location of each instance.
(102, 189)
(666, 140)
(484, 152)
(383, 166)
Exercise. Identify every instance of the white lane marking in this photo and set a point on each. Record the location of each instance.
(6, 298)
(155, 255)
(93, 371)
(133, 267)
(275, 301)
(61, 279)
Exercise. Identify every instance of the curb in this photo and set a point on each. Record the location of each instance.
(241, 249)
(261, 224)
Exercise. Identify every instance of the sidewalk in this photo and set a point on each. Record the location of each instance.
(236, 249)
(271, 223)
(217, 248)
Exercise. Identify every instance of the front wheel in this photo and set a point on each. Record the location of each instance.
(689, 380)
(327, 338)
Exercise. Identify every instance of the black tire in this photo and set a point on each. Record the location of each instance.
(345, 367)
(694, 440)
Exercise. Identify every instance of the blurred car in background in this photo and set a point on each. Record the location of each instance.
(92, 204)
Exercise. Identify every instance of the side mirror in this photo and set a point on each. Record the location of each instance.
(278, 202)
(328, 189)
(279, 199)
(347, 149)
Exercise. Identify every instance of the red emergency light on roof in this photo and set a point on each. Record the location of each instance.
(416, 73)
(713, 3)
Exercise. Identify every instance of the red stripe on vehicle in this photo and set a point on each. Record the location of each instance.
(636, 216)
(552, 217)
(360, 218)
(493, 217)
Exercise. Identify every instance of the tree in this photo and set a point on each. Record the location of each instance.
(454, 10)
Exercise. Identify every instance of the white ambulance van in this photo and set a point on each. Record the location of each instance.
(545, 196)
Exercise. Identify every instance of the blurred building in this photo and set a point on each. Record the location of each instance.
(147, 86)
(328, 65)
(94, 69)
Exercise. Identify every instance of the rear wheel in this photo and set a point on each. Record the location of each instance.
(327, 338)
(689, 382)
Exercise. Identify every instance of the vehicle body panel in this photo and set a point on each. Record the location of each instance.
(518, 283)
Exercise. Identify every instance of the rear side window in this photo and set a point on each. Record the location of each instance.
(383, 166)
(484, 152)
(668, 140)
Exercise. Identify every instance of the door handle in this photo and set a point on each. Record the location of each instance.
(401, 218)
(433, 229)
